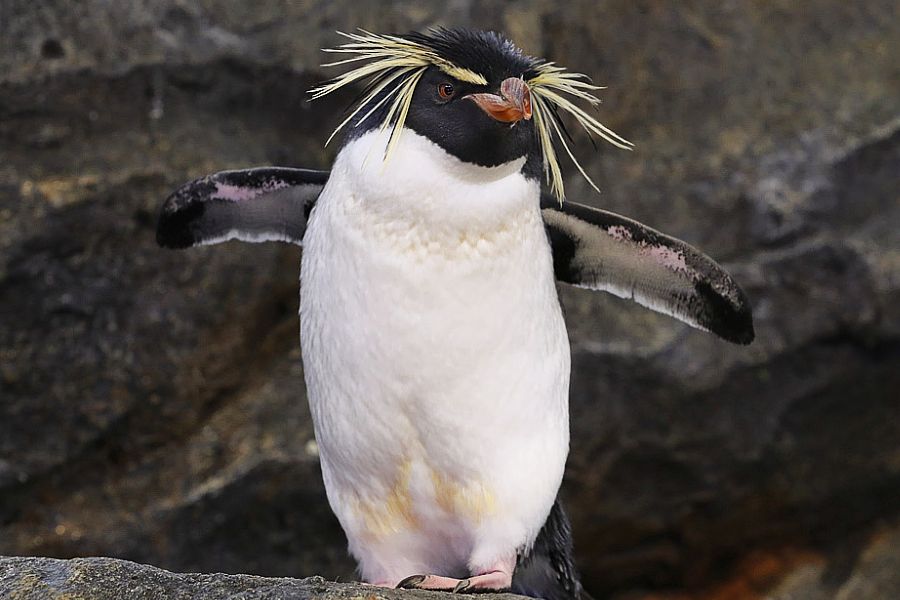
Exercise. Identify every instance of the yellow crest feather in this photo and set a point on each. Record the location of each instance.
(547, 89)
(400, 63)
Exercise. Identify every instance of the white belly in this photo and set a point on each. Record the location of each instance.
(436, 358)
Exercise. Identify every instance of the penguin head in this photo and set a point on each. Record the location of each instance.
(473, 93)
(481, 112)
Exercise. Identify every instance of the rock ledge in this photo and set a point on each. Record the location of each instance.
(27, 578)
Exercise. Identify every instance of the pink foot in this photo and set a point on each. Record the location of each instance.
(492, 581)
(429, 582)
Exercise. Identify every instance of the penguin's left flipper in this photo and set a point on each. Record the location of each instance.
(252, 205)
(601, 250)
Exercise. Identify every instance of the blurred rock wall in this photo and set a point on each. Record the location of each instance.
(152, 404)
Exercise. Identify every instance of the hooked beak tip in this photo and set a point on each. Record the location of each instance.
(511, 106)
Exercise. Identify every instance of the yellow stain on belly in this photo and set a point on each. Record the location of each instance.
(391, 514)
(394, 513)
(472, 500)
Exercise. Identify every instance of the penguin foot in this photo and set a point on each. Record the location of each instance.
(429, 582)
(495, 581)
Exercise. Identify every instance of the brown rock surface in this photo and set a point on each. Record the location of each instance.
(152, 404)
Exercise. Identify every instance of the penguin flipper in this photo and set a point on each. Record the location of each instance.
(253, 205)
(548, 570)
(604, 251)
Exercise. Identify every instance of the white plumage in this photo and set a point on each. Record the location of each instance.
(436, 358)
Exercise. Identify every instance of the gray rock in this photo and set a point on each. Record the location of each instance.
(112, 579)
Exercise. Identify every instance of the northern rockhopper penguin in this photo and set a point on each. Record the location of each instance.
(434, 347)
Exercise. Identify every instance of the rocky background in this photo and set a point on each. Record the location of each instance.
(152, 403)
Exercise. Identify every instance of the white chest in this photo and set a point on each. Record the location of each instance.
(434, 348)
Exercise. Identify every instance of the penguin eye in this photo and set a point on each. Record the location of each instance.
(446, 91)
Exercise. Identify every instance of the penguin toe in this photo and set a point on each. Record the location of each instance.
(410, 583)
(493, 581)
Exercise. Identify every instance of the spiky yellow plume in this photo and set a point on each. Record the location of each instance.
(393, 66)
(547, 88)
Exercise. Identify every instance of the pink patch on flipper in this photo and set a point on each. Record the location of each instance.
(671, 259)
(620, 232)
(662, 255)
(237, 193)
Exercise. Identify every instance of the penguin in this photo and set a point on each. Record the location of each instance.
(435, 351)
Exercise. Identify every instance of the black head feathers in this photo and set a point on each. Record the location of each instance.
(487, 54)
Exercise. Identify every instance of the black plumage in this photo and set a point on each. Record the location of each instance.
(486, 53)
(548, 570)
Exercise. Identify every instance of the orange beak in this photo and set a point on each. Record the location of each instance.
(511, 106)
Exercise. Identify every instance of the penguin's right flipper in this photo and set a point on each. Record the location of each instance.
(252, 205)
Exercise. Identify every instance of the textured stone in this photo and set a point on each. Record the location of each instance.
(111, 579)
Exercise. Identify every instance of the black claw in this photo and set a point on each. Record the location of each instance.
(462, 586)
(410, 583)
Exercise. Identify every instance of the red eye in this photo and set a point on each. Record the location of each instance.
(446, 91)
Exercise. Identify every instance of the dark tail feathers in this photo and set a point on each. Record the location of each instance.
(548, 571)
